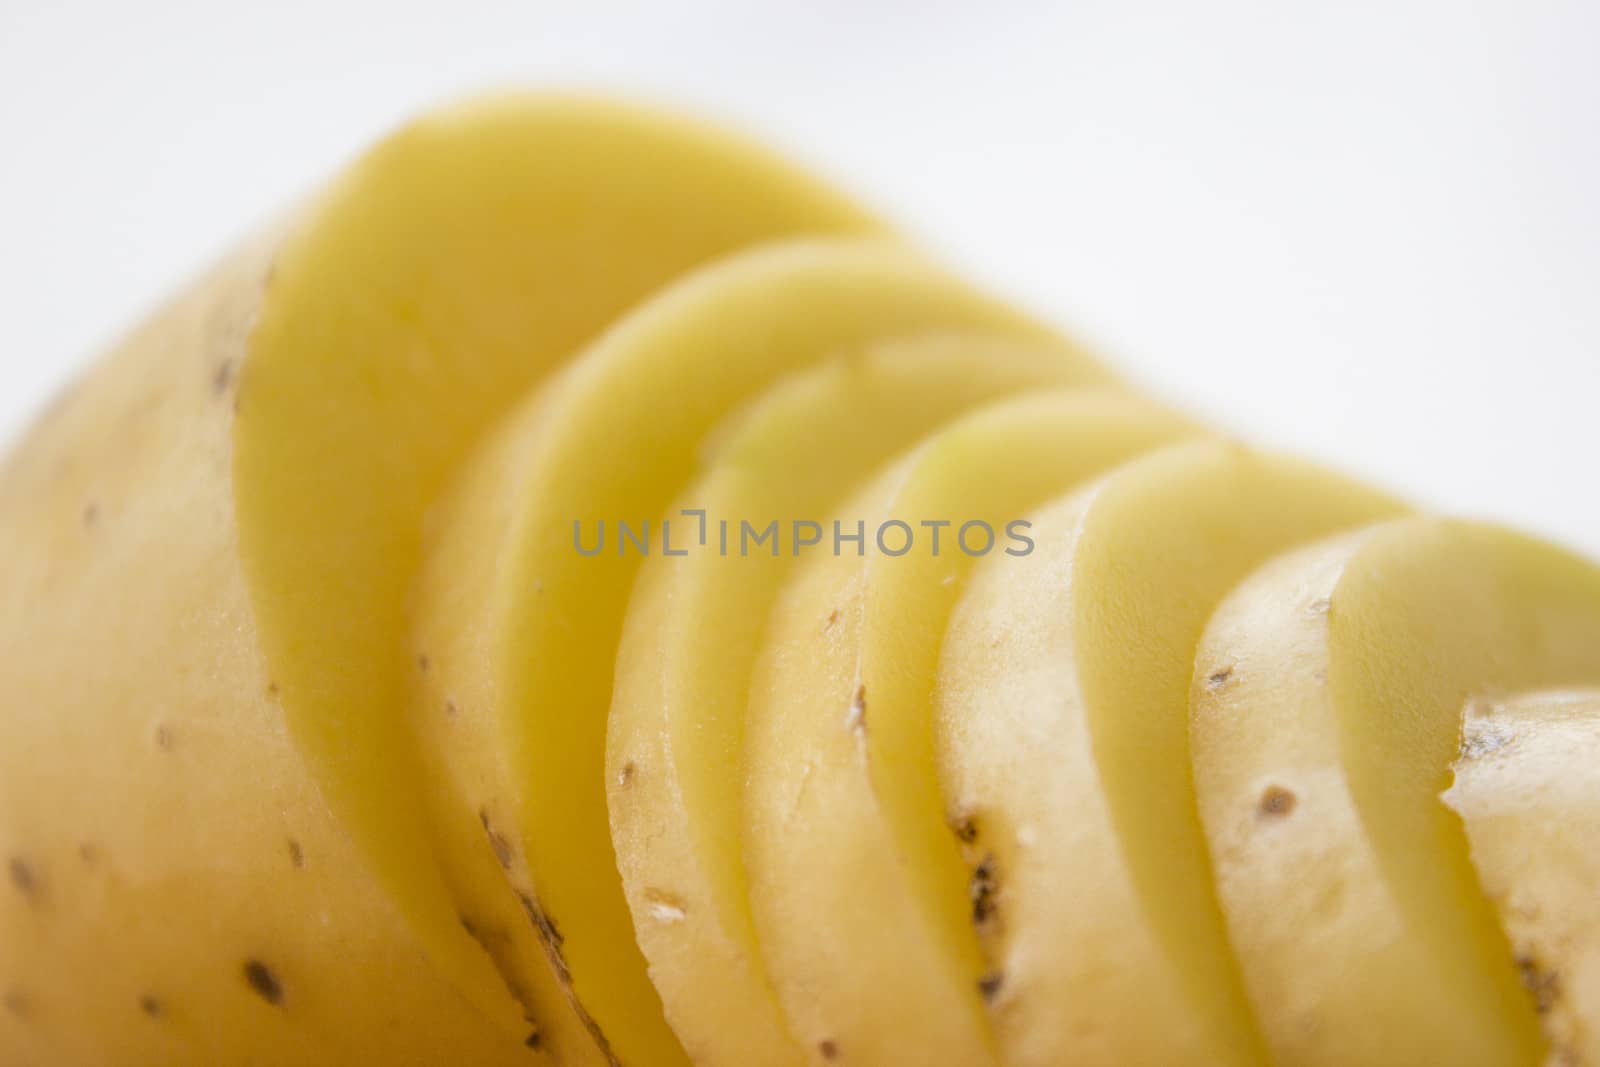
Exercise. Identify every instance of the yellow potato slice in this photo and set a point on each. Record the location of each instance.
(173, 890)
(1328, 700)
(533, 637)
(446, 274)
(856, 884)
(1527, 788)
(1063, 725)
(683, 670)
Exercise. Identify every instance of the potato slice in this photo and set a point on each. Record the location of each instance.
(1527, 788)
(856, 884)
(1328, 698)
(1063, 715)
(618, 438)
(688, 647)
(450, 271)
(173, 890)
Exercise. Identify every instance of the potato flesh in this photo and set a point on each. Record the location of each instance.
(1405, 624)
(683, 670)
(159, 832)
(484, 871)
(1274, 805)
(866, 936)
(1547, 633)
(1156, 547)
(1058, 916)
(1527, 788)
(451, 270)
(601, 444)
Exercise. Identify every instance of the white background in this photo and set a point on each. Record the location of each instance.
(1365, 232)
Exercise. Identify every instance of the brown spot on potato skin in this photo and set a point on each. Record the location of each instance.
(534, 1040)
(1543, 984)
(832, 619)
(543, 922)
(263, 982)
(965, 827)
(497, 840)
(1484, 737)
(17, 1004)
(297, 856)
(150, 1006)
(450, 709)
(550, 937)
(1276, 801)
(828, 1049)
(625, 776)
(164, 737)
(88, 853)
(982, 889)
(496, 942)
(990, 984)
(222, 378)
(23, 877)
(422, 663)
(597, 1035)
(1219, 679)
(272, 690)
(91, 515)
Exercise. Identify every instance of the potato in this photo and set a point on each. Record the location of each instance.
(1062, 718)
(683, 670)
(856, 886)
(397, 317)
(543, 621)
(331, 736)
(175, 891)
(452, 270)
(1328, 699)
(1527, 787)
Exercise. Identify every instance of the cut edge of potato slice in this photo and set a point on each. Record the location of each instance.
(601, 445)
(448, 271)
(690, 641)
(1161, 544)
(1277, 815)
(864, 963)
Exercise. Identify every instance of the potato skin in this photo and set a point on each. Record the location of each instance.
(1527, 788)
(177, 891)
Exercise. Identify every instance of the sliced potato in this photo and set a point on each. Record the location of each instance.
(450, 271)
(1335, 714)
(544, 619)
(1064, 746)
(683, 669)
(1527, 788)
(856, 885)
(974, 712)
